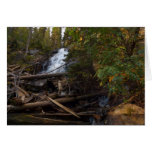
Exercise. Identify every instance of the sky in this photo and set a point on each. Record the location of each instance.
(62, 31)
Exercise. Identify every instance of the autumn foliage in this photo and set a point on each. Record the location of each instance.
(114, 56)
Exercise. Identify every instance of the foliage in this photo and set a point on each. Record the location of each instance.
(56, 38)
(41, 39)
(17, 37)
(116, 55)
(112, 58)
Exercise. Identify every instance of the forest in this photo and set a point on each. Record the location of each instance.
(75, 75)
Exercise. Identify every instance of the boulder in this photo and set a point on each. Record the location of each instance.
(36, 85)
(125, 114)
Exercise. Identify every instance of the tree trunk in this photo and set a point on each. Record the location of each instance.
(38, 76)
(28, 119)
(28, 40)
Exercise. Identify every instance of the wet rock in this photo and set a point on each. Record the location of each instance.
(125, 114)
(103, 101)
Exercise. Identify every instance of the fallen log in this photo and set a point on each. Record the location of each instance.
(27, 119)
(28, 106)
(38, 76)
(23, 91)
(48, 103)
(15, 68)
(87, 113)
(63, 107)
(71, 99)
(12, 66)
(53, 95)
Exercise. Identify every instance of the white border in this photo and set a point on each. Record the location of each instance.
(74, 138)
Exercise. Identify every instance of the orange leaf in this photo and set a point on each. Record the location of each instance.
(111, 78)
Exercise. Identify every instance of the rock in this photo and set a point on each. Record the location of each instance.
(103, 100)
(39, 83)
(107, 106)
(33, 52)
(36, 85)
(55, 51)
(125, 114)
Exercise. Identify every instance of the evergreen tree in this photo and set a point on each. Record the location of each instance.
(56, 38)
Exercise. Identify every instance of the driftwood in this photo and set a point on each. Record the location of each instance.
(38, 76)
(48, 103)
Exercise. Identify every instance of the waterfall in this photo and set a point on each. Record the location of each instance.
(62, 32)
(62, 35)
(57, 61)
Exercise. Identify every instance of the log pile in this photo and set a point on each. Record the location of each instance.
(47, 106)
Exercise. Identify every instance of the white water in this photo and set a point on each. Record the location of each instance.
(62, 32)
(56, 61)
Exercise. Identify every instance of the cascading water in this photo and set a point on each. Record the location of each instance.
(57, 63)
